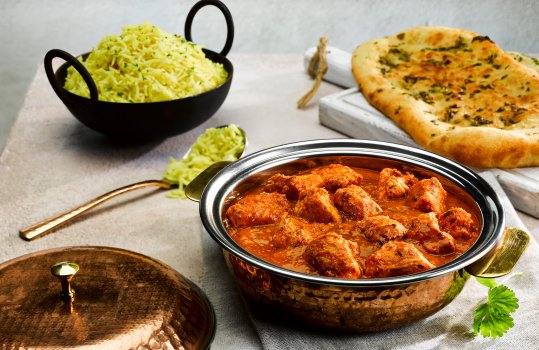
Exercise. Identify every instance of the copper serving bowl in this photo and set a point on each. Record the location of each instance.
(363, 304)
(146, 120)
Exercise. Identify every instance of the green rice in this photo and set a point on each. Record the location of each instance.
(146, 64)
(215, 145)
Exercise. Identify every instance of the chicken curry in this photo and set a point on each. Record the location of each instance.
(349, 222)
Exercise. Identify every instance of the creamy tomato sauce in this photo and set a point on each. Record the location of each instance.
(258, 225)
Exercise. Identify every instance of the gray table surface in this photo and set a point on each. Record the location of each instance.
(51, 163)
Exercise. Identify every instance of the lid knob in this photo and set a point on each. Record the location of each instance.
(65, 271)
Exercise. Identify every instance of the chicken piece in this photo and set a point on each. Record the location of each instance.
(425, 229)
(300, 183)
(338, 176)
(458, 223)
(396, 258)
(443, 244)
(257, 209)
(276, 183)
(355, 203)
(428, 195)
(292, 186)
(292, 232)
(394, 184)
(316, 206)
(333, 256)
(381, 229)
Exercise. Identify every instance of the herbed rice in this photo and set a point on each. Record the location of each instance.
(146, 64)
(215, 145)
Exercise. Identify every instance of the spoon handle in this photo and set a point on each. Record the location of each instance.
(46, 226)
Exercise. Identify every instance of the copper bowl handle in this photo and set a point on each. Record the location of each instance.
(503, 257)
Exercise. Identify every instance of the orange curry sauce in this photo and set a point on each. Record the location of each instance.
(260, 238)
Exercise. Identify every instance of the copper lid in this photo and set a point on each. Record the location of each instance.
(117, 300)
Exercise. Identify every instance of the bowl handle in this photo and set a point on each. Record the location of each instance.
(228, 18)
(503, 257)
(56, 85)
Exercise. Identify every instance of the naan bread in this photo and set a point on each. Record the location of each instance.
(526, 60)
(456, 93)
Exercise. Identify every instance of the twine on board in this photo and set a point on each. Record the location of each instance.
(318, 66)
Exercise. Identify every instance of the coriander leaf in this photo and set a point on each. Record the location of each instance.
(503, 300)
(488, 282)
(490, 325)
(492, 318)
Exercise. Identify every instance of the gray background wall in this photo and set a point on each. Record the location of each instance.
(29, 28)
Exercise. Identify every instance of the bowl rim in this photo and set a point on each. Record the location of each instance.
(64, 66)
(220, 187)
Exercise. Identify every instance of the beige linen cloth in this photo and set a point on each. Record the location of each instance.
(52, 163)
(450, 328)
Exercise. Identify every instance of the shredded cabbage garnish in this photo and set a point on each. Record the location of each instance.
(146, 64)
(215, 145)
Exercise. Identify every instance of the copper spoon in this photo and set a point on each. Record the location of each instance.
(46, 226)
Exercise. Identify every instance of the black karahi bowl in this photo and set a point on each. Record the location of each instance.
(148, 120)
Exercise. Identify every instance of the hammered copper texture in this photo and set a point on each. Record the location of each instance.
(346, 308)
(371, 305)
(123, 300)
